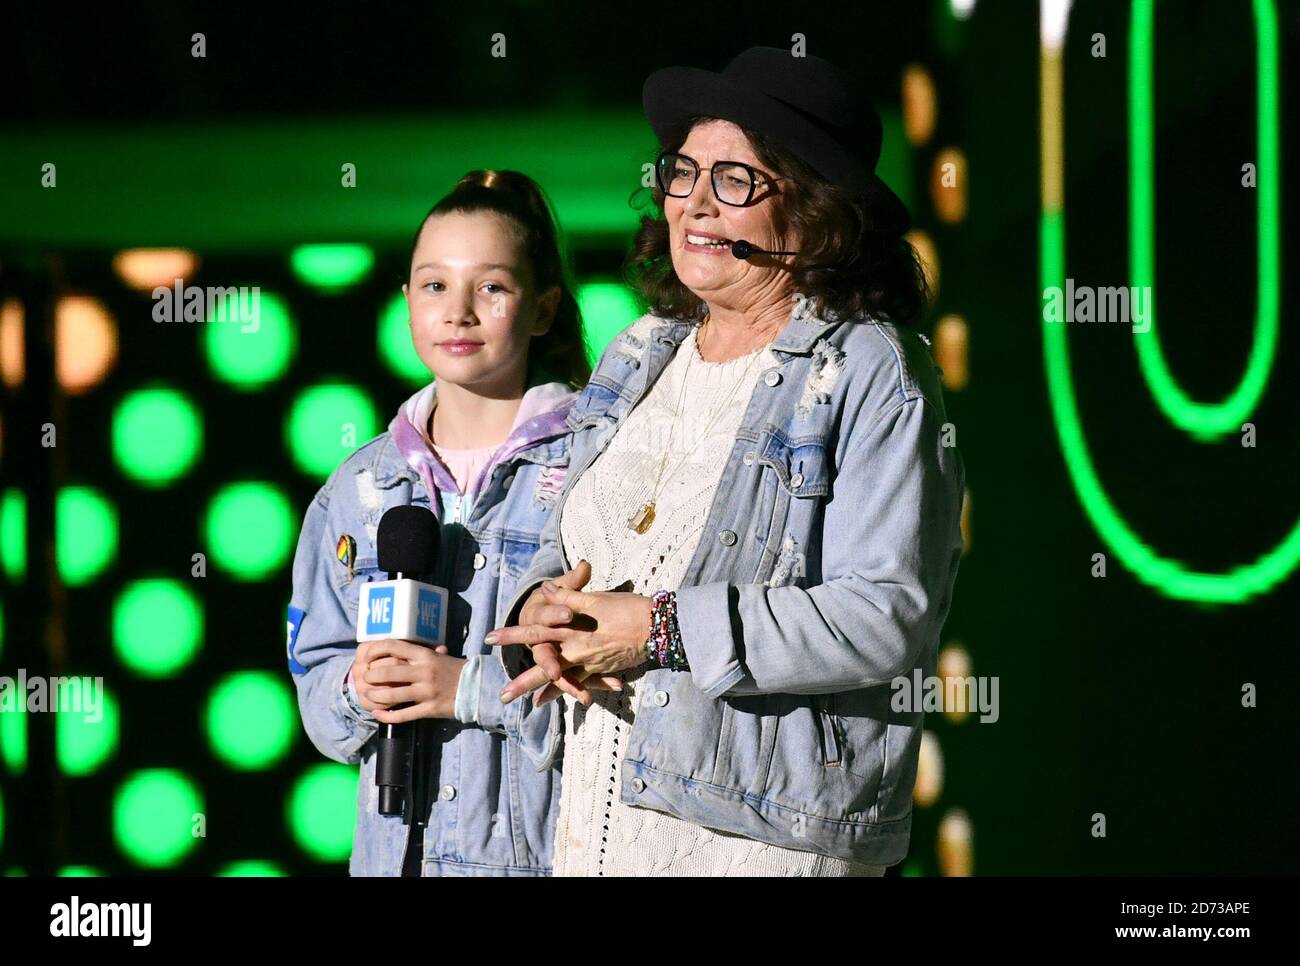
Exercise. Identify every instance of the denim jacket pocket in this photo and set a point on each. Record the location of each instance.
(829, 730)
(515, 552)
(364, 570)
(828, 755)
(796, 478)
(861, 719)
(799, 462)
(744, 746)
(594, 404)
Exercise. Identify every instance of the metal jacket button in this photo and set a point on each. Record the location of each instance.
(638, 785)
(796, 481)
(661, 698)
(727, 538)
(748, 459)
(480, 561)
(448, 792)
(772, 377)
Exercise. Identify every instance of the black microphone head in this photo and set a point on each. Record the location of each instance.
(742, 249)
(407, 542)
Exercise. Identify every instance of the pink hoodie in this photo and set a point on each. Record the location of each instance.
(541, 415)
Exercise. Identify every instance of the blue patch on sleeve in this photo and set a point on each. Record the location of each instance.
(295, 622)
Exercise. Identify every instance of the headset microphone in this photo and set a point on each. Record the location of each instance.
(743, 249)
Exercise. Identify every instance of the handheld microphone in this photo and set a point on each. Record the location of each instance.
(743, 249)
(406, 608)
(403, 606)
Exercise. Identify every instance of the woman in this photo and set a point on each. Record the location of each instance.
(763, 509)
(485, 448)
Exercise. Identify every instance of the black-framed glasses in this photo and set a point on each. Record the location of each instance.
(734, 182)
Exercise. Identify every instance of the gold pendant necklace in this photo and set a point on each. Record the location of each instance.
(644, 518)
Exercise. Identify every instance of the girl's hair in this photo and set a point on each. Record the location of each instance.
(560, 355)
(844, 263)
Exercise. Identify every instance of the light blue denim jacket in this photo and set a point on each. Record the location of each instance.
(825, 570)
(496, 795)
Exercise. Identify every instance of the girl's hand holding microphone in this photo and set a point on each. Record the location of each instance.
(388, 673)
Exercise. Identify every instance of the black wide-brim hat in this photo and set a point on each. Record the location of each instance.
(804, 104)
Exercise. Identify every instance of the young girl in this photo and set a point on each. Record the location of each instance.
(484, 447)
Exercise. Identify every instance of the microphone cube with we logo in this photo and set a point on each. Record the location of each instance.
(403, 609)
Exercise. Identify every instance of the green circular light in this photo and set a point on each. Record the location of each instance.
(1167, 575)
(13, 737)
(395, 346)
(322, 810)
(607, 309)
(79, 872)
(157, 435)
(250, 341)
(153, 816)
(85, 534)
(85, 733)
(325, 424)
(1204, 421)
(157, 626)
(2, 631)
(331, 268)
(251, 719)
(250, 868)
(2, 818)
(249, 530)
(13, 535)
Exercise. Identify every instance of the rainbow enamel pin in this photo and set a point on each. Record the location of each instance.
(346, 551)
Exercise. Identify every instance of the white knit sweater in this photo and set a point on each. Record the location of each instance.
(597, 834)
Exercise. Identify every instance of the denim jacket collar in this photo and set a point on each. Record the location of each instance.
(798, 336)
(388, 466)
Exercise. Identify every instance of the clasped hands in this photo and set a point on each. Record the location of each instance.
(580, 641)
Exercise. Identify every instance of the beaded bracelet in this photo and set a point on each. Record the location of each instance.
(664, 645)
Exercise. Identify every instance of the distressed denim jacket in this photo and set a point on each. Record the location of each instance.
(825, 571)
(496, 794)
